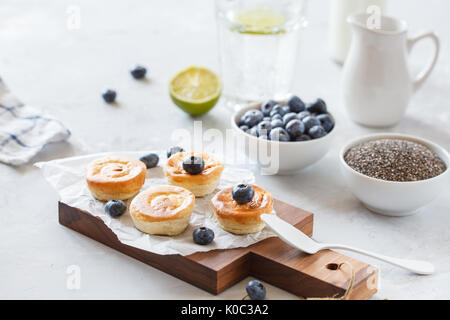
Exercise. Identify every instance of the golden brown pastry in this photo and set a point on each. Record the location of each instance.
(200, 184)
(115, 178)
(163, 210)
(242, 218)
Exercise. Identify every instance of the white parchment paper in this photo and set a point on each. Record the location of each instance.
(67, 177)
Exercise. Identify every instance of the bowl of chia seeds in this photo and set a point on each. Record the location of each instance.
(394, 174)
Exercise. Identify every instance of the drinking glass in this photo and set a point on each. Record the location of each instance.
(258, 48)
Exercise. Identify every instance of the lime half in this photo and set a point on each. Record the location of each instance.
(260, 21)
(195, 90)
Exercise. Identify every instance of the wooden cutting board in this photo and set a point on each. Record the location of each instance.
(270, 260)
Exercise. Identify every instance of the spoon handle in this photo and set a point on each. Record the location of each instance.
(416, 266)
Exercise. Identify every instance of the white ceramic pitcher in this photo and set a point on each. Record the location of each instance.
(377, 83)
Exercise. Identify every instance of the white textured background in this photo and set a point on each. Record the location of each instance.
(64, 72)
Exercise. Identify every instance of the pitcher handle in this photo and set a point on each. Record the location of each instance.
(423, 75)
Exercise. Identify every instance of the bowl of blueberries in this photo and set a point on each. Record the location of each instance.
(294, 134)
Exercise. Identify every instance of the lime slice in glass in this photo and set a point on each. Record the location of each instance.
(260, 21)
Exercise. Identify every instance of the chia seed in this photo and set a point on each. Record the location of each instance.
(395, 160)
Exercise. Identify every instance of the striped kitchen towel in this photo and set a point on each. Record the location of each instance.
(24, 131)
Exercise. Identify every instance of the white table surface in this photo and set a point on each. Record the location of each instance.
(64, 72)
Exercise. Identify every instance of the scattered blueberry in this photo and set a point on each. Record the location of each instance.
(326, 121)
(151, 160)
(264, 128)
(243, 193)
(317, 107)
(252, 117)
(115, 208)
(244, 128)
(302, 115)
(138, 72)
(109, 96)
(296, 104)
(277, 123)
(193, 165)
(310, 121)
(203, 236)
(173, 150)
(278, 109)
(255, 290)
(288, 117)
(303, 137)
(267, 106)
(295, 128)
(317, 132)
(279, 134)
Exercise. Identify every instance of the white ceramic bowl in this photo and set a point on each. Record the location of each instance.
(285, 157)
(389, 197)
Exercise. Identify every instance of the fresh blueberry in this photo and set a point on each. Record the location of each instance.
(277, 123)
(241, 121)
(267, 106)
(244, 128)
(310, 121)
(279, 134)
(286, 109)
(302, 115)
(255, 290)
(317, 107)
(303, 137)
(173, 150)
(243, 193)
(193, 165)
(138, 72)
(253, 131)
(317, 132)
(109, 96)
(151, 160)
(295, 128)
(115, 208)
(278, 109)
(277, 116)
(203, 236)
(252, 117)
(288, 117)
(326, 121)
(264, 128)
(296, 104)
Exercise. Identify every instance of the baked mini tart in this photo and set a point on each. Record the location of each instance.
(200, 184)
(115, 178)
(162, 210)
(242, 218)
